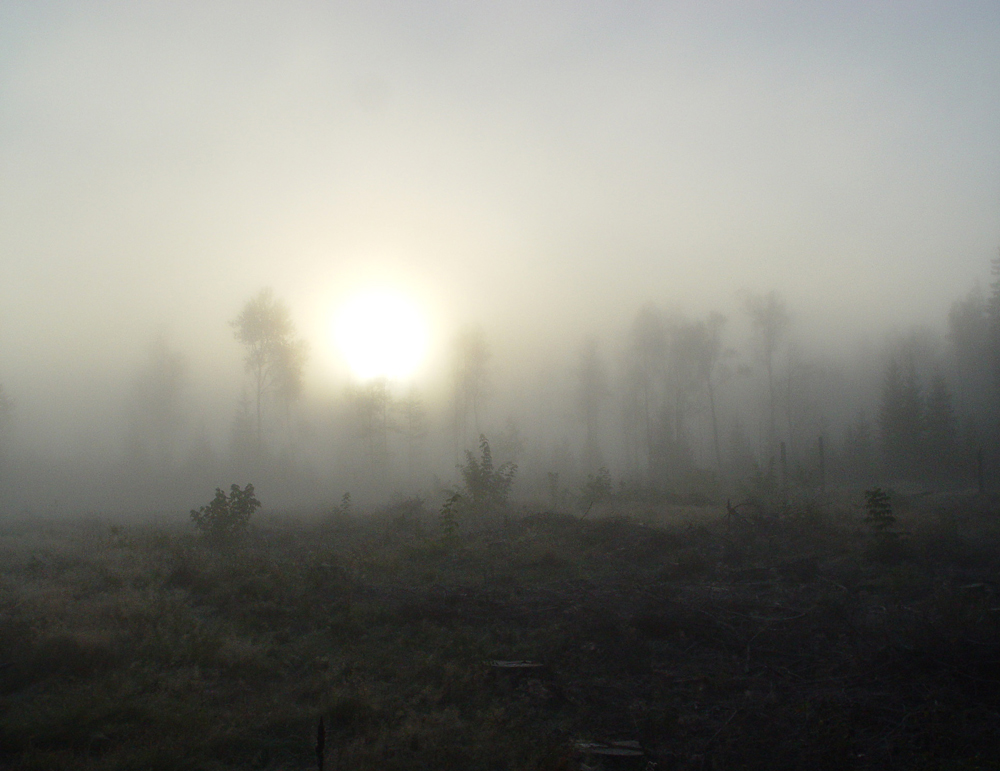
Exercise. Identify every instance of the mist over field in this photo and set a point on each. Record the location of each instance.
(665, 240)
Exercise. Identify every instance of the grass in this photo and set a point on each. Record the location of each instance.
(792, 640)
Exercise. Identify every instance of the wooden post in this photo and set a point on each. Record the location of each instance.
(822, 467)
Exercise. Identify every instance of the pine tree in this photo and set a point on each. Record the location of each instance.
(941, 439)
(901, 419)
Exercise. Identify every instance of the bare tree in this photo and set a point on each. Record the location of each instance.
(372, 403)
(412, 424)
(647, 354)
(592, 394)
(769, 321)
(156, 400)
(707, 353)
(275, 358)
(471, 380)
(6, 419)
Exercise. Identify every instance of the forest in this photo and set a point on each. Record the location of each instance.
(672, 406)
(499, 386)
(684, 554)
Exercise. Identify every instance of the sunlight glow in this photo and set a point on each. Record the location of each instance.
(381, 333)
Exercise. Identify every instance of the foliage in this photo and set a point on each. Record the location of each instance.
(769, 321)
(471, 377)
(593, 390)
(597, 488)
(901, 416)
(448, 518)
(275, 358)
(487, 487)
(131, 647)
(157, 400)
(878, 508)
(226, 519)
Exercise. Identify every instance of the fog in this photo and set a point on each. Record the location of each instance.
(539, 175)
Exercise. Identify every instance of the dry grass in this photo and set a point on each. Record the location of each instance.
(791, 640)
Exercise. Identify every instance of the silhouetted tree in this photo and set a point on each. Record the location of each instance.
(711, 352)
(509, 443)
(243, 445)
(372, 404)
(696, 351)
(769, 321)
(683, 390)
(969, 334)
(859, 449)
(275, 358)
(644, 399)
(993, 320)
(412, 425)
(156, 402)
(901, 414)
(592, 395)
(6, 419)
(471, 379)
(941, 429)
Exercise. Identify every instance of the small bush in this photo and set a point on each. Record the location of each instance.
(488, 488)
(598, 488)
(448, 519)
(226, 519)
(878, 510)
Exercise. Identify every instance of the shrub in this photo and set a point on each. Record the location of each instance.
(448, 518)
(488, 488)
(597, 488)
(878, 510)
(225, 520)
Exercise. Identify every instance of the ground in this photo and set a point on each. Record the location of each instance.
(787, 637)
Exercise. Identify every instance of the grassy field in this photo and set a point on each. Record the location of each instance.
(786, 639)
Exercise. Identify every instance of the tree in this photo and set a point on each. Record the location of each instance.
(969, 333)
(471, 379)
(707, 352)
(156, 398)
(859, 449)
(941, 428)
(372, 402)
(6, 419)
(901, 415)
(592, 393)
(275, 358)
(412, 424)
(647, 356)
(993, 318)
(769, 321)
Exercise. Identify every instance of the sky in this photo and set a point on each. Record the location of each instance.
(541, 168)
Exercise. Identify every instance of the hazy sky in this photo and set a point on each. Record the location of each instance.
(540, 167)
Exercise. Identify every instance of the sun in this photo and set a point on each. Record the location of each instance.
(381, 333)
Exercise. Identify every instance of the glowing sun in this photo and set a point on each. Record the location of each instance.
(381, 334)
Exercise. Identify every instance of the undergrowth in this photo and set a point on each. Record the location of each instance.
(760, 640)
